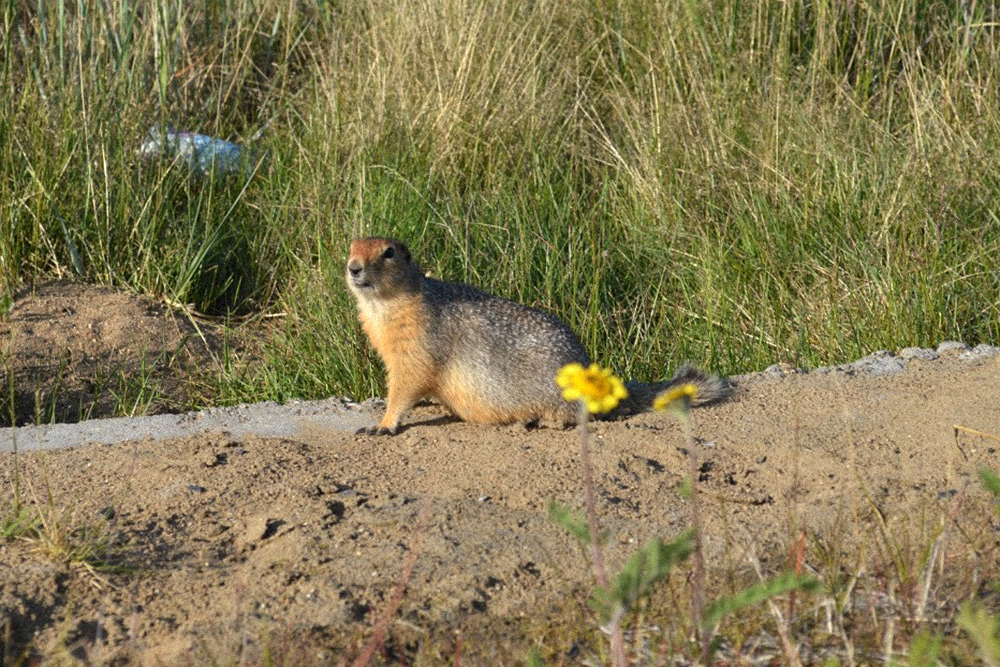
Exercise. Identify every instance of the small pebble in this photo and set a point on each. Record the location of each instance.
(883, 362)
(981, 351)
(781, 369)
(908, 353)
(878, 364)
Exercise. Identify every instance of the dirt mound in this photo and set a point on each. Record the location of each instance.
(236, 548)
(74, 351)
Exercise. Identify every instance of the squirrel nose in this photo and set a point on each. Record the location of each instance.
(355, 268)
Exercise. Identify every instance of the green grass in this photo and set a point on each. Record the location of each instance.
(731, 183)
(59, 534)
(908, 599)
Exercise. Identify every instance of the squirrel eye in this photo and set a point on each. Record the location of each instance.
(389, 253)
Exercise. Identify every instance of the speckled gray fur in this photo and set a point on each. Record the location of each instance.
(529, 342)
(534, 345)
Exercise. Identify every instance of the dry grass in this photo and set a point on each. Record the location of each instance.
(730, 184)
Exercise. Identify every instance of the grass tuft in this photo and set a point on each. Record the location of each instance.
(733, 184)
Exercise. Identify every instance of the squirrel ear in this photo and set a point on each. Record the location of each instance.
(406, 252)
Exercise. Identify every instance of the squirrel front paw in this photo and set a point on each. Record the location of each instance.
(377, 430)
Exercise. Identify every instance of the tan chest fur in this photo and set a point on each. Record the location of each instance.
(397, 331)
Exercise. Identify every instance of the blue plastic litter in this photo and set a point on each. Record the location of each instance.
(201, 153)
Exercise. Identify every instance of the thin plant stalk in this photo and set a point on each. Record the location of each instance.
(596, 555)
(377, 641)
(698, 556)
(13, 439)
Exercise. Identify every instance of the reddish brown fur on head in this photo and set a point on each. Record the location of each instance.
(380, 268)
(373, 247)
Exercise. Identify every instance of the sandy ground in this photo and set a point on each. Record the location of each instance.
(73, 352)
(228, 546)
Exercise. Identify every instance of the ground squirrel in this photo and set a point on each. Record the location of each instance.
(487, 359)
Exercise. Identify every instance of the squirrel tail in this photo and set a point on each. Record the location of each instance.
(711, 388)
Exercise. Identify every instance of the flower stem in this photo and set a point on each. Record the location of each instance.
(698, 557)
(597, 557)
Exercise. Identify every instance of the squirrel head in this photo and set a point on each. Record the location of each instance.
(380, 268)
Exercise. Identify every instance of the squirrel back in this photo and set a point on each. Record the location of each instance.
(488, 359)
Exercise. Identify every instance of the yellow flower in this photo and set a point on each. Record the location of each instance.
(595, 386)
(678, 399)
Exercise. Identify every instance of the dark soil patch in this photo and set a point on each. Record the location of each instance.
(72, 351)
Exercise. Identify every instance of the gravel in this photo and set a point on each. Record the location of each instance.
(271, 419)
(267, 419)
